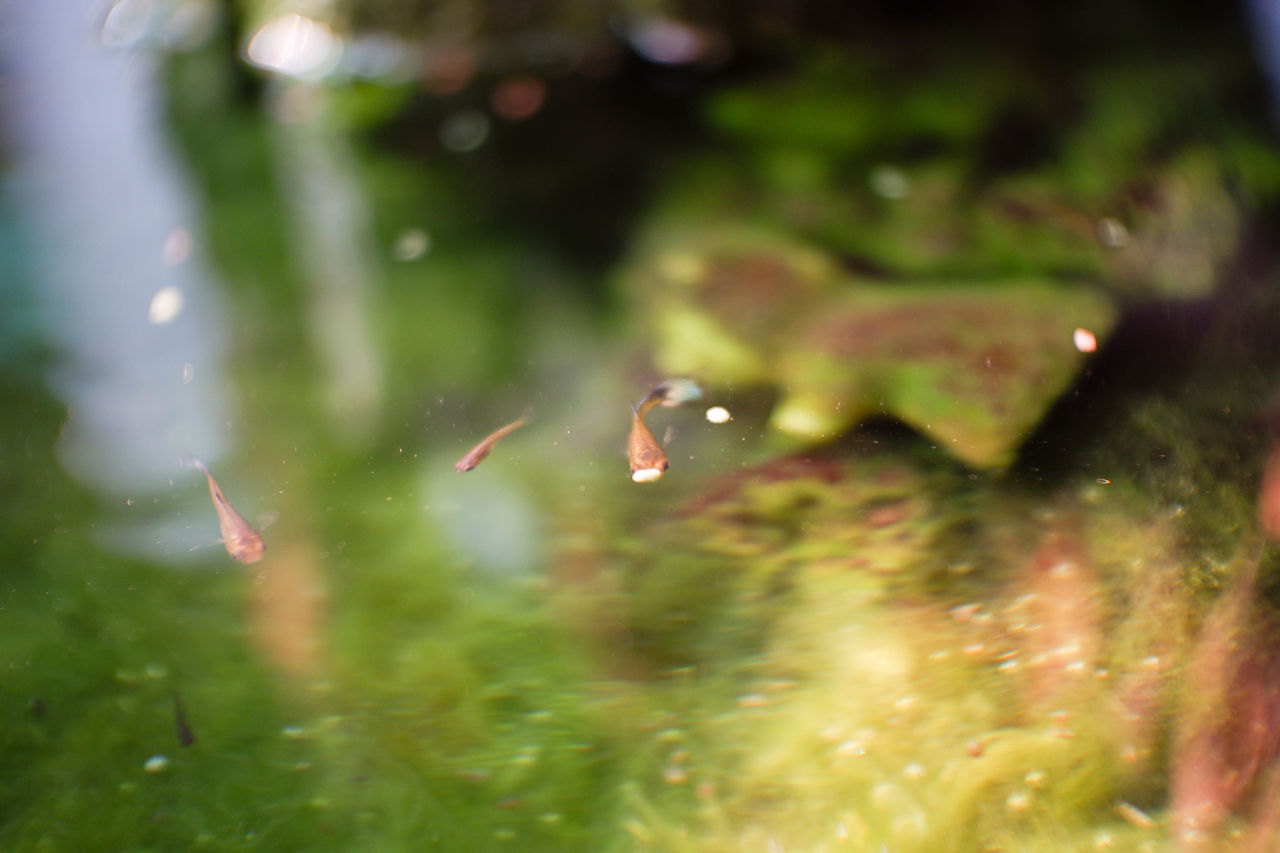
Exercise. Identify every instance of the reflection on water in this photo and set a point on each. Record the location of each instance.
(124, 296)
(966, 545)
(332, 242)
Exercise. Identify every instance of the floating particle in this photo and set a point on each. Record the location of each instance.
(165, 306)
(851, 747)
(913, 771)
(1112, 233)
(294, 732)
(1018, 801)
(411, 244)
(753, 700)
(465, 130)
(889, 182)
(156, 764)
(719, 415)
(1084, 340)
(1135, 815)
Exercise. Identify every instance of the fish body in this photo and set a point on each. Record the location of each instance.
(477, 454)
(242, 542)
(646, 456)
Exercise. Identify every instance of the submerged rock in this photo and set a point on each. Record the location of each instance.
(973, 365)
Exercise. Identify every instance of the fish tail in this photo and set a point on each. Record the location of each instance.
(192, 462)
(673, 392)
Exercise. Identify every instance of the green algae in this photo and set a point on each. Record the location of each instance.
(829, 650)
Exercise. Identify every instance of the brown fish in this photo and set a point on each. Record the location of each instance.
(241, 540)
(477, 454)
(647, 458)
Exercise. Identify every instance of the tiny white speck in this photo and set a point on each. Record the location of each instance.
(1084, 340)
(719, 415)
(165, 305)
(156, 764)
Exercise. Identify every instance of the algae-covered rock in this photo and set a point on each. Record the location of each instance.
(972, 365)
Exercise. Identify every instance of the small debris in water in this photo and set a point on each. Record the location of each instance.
(1135, 815)
(851, 747)
(1112, 233)
(1084, 340)
(294, 732)
(752, 700)
(719, 415)
(156, 764)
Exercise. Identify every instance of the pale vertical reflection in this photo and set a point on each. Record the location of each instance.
(136, 330)
(332, 238)
(287, 609)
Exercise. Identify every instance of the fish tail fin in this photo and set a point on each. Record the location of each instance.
(188, 461)
(673, 392)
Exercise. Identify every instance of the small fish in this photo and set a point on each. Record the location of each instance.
(241, 540)
(647, 458)
(477, 454)
(186, 737)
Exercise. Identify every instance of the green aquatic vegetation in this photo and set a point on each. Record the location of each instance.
(879, 703)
